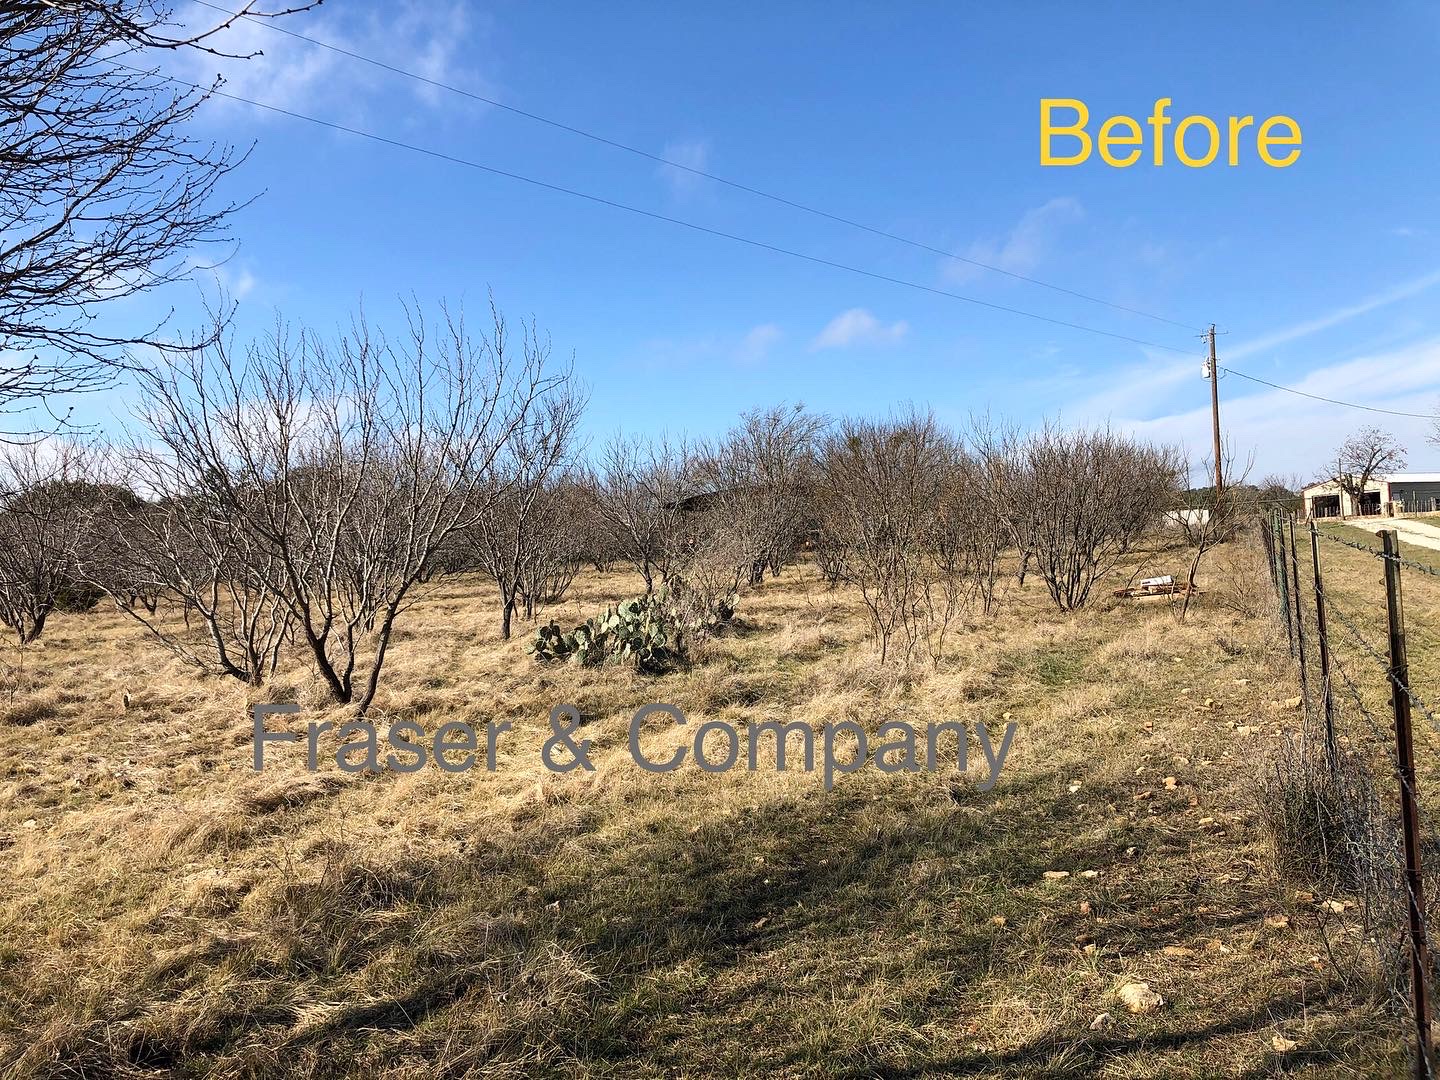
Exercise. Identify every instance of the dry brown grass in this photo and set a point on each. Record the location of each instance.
(174, 913)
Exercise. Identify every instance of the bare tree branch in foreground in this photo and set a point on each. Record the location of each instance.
(102, 193)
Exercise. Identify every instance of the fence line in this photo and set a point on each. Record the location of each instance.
(1388, 851)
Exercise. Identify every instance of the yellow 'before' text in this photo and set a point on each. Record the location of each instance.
(1196, 141)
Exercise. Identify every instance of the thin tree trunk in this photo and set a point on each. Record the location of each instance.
(382, 644)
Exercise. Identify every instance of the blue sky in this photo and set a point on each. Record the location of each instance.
(918, 119)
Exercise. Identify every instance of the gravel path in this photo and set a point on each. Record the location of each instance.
(1419, 533)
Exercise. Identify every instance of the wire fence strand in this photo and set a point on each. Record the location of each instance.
(1363, 682)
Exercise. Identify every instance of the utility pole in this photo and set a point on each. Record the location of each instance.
(1212, 372)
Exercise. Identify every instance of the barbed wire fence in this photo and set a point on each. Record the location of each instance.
(1354, 766)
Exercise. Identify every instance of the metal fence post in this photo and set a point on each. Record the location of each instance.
(1331, 750)
(1299, 621)
(1284, 581)
(1409, 809)
(1267, 534)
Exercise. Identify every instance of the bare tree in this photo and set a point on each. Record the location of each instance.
(640, 489)
(1369, 453)
(1280, 492)
(1079, 500)
(101, 191)
(963, 541)
(1209, 516)
(881, 482)
(46, 505)
(556, 547)
(1001, 481)
(347, 466)
(760, 478)
(190, 547)
(511, 539)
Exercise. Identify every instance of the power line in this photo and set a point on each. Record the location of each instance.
(660, 159)
(1328, 400)
(601, 200)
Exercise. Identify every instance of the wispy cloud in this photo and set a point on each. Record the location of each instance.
(691, 153)
(433, 40)
(858, 327)
(756, 345)
(1334, 318)
(1297, 435)
(1025, 247)
(748, 349)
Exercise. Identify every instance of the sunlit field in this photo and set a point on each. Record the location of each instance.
(171, 912)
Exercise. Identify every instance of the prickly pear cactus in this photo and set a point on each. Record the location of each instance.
(650, 632)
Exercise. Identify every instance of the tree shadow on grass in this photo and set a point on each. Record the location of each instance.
(749, 941)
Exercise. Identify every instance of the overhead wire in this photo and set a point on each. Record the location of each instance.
(737, 185)
(723, 234)
(656, 215)
(1328, 400)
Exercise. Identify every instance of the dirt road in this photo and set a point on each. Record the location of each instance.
(1418, 533)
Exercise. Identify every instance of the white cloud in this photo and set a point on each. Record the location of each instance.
(1136, 389)
(756, 345)
(237, 283)
(1340, 315)
(692, 154)
(432, 40)
(1297, 435)
(747, 349)
(858, 327)
(1025, 247)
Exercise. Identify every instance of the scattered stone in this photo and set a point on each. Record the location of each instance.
(1280, 1044)
(1139, 998)
(1101, 1022)
(1056, 875)
(1277, 922)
